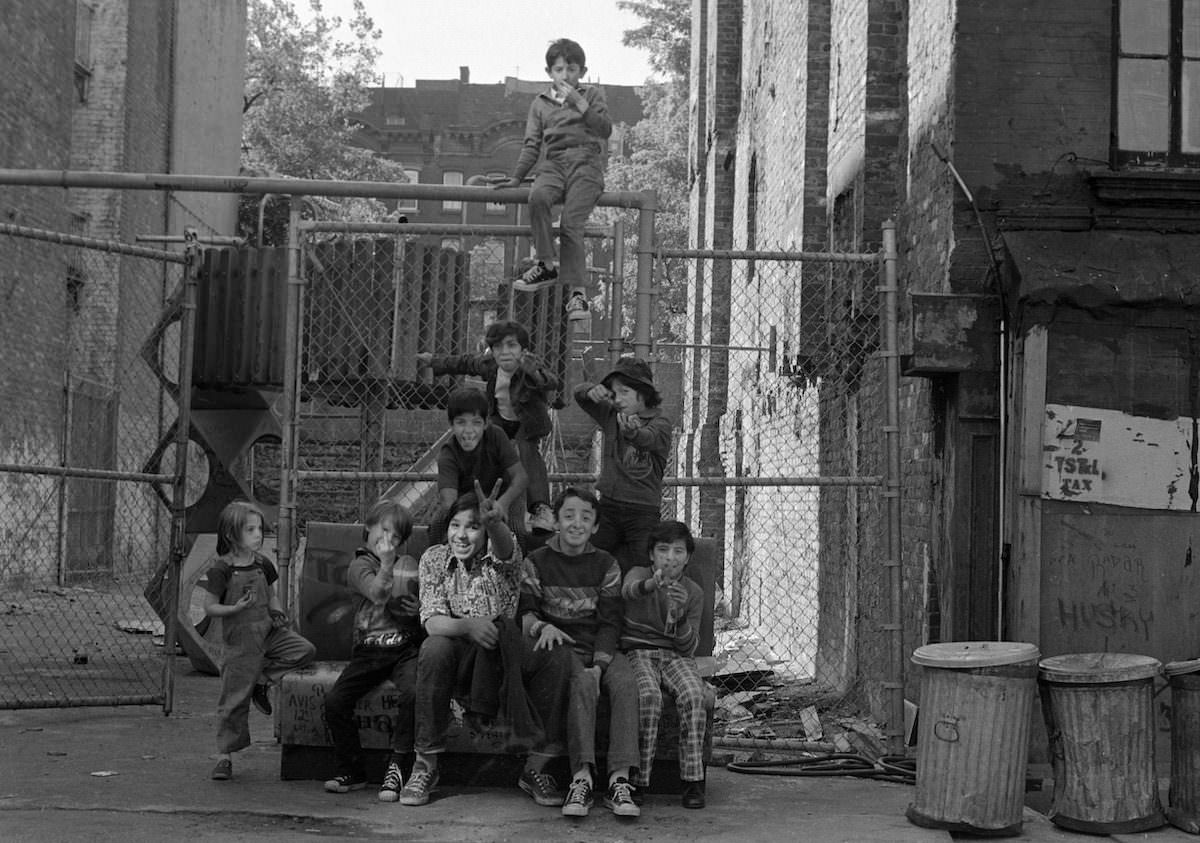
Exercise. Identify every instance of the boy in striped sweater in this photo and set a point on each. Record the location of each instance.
(662, 622)
(571, 596)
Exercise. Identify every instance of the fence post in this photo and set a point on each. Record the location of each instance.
(293, 312)
(645, 274)
(183, 429)
(616, 339)
(892, 485)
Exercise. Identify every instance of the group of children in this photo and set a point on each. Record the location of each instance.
(584, 595)
(522, 605)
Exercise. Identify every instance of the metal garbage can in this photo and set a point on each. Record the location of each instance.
(973, 735)
(1183, 808)
(1100, 721)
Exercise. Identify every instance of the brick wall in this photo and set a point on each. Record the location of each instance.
(37, 41)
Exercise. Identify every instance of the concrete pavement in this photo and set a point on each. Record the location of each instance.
(131, 774)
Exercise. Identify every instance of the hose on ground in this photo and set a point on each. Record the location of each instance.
(894, 768)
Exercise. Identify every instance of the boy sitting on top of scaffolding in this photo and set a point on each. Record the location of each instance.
(566, 128)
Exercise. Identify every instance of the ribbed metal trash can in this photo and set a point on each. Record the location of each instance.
(1100, 721)
(1183, 809)
(973, 735)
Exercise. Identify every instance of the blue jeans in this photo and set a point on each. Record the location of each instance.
(366, 670)
(620, 686)
(624, 530)
(574, 178)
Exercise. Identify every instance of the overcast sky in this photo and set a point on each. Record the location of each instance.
(430, 39)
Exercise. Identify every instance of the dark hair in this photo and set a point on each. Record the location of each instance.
(665, 532)
(497, 331)
(232, 521)
(389, 509)
(566, 49)
(650, 396)
(466, 400)
(576, 492)
(463, 503)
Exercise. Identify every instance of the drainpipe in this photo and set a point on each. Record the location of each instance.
(1002, 501)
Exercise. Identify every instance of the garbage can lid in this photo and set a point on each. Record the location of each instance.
(1181, 667)
(1098, 667)
(968, 654)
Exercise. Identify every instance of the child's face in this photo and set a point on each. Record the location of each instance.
(465, 535)
(508, 353)
(670, 558)
(628, 400)
(382, 536)
(576, 524)
(468, 430)
(252, 534)
(564, 71)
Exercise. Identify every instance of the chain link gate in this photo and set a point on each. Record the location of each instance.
(88, 480)
(783, 460)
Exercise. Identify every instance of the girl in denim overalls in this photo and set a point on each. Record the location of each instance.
(258, 646)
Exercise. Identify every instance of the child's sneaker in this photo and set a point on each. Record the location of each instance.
(542, 787)
(619, 799)
(345, 784)
(577, 307)
(421, 783)
(535, 278)
(393, 781)
(579, 799)
(262, 699)
(223, 772)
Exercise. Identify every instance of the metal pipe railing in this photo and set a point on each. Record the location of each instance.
(294, 187)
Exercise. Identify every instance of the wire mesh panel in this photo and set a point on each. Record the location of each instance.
(781, 418)
(83, 524)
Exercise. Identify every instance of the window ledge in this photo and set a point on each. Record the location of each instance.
(1158, 187)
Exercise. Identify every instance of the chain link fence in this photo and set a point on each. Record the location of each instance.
(86, 469)
(311, 400)
(783, 413)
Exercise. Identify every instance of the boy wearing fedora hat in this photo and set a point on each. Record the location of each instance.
(637, 443)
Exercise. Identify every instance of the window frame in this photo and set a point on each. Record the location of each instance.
(1173, 155)
(407, 203)
(453, 205)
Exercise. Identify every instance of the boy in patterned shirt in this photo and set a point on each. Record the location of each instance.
(468, 586)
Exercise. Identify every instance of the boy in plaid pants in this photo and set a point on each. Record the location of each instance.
(662, 623)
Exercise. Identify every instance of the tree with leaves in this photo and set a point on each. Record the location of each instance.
(306, 79)
(655, 154)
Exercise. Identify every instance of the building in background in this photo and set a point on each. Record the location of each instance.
(457, 132)
(1042, 164)
(112, 85)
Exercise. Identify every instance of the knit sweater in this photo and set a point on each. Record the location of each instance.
(581, 595)
(646, 624)
(553, 126)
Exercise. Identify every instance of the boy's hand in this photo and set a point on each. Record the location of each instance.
(410, 605)
(659, 580)
(489, 511)
(482, 633)
(279, 619)
(505, 182)
(570, 94)
(677, 594)
(600, 394)
(385, 549)
(628, 423)
(245, 601)
(550, 637)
